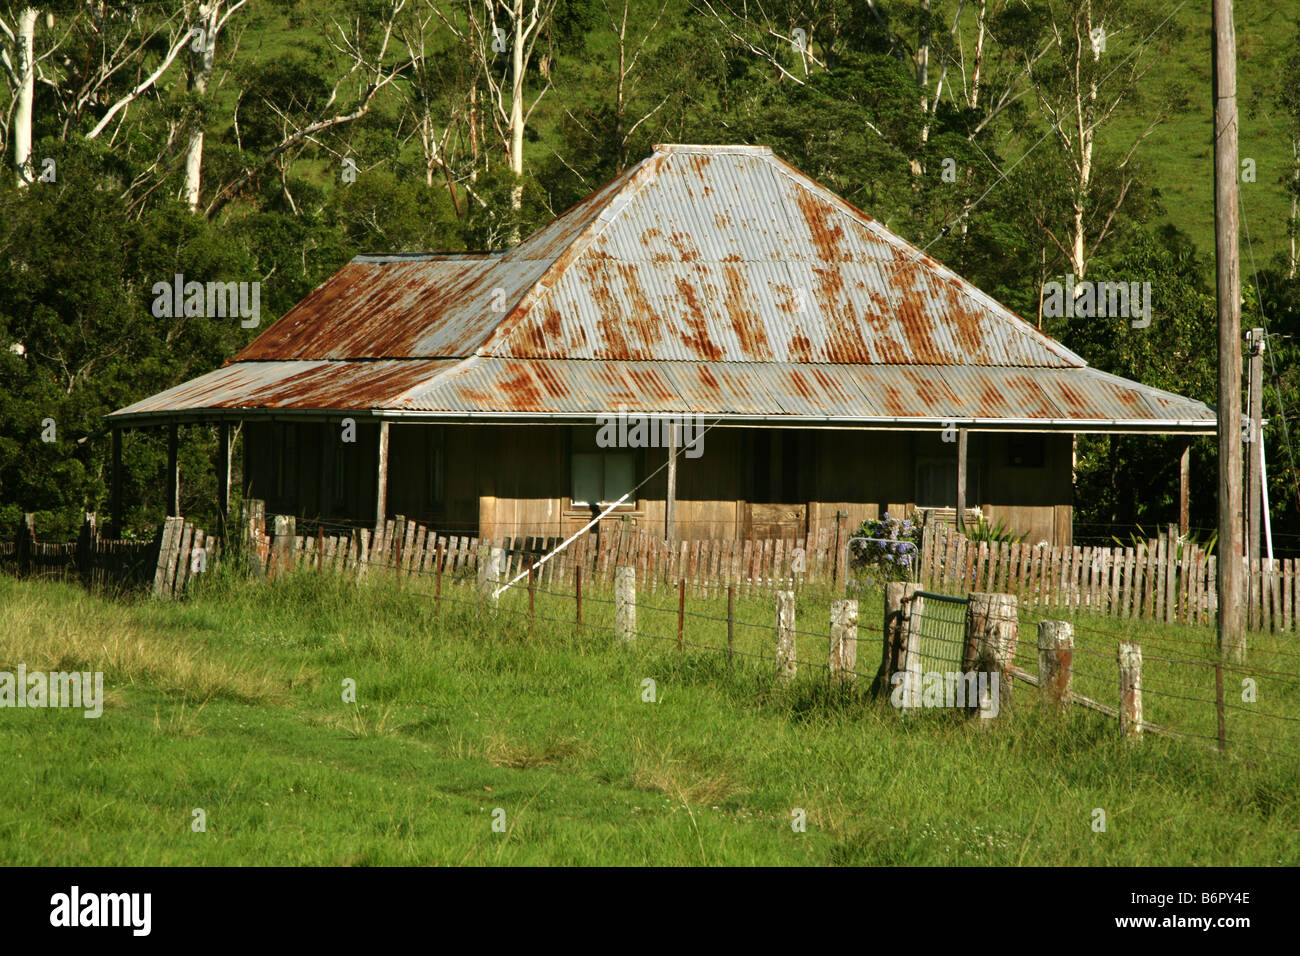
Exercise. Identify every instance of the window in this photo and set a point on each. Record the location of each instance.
(936, 483)
(600, 478)
(1026, 451)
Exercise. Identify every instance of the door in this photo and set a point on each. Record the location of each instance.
(775, 508)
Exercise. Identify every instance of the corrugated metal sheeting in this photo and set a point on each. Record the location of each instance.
(346, 386)
(716, 280)
(848, 392)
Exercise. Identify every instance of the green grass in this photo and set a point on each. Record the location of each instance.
(230, 701)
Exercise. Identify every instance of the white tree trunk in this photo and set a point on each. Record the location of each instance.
(26, 70)
(979, 57)
(517, 115)
(200, 72)
(1085, 116)
(923, 81)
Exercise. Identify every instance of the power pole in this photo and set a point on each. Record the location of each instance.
(1228, 286)
(1254, 478)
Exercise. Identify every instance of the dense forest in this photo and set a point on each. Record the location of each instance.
(1017, 141)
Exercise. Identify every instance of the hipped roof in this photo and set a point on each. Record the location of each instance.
(716, 280)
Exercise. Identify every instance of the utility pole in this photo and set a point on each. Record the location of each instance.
(1228, 286)
(1254, 478)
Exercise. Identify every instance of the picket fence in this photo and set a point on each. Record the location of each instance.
(707, 565)
(1164, 579)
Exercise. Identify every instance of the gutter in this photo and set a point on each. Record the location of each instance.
(1076, 426)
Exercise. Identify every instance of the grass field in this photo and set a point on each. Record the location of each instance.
(231, 702)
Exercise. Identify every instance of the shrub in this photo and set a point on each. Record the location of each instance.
(886, 548)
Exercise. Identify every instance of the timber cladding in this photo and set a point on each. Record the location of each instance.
(509, 480)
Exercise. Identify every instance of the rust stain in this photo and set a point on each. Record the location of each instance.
(748, 327)
(698, 324)
(685, 246)
(518, 386)
(800, 386)
(824, 226)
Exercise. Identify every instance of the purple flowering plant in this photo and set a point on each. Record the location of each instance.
(885, 548)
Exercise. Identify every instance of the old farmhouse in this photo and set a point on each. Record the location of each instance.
(828, 358)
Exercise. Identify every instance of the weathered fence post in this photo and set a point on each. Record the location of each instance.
(898, 594)
(681, 614)
(731, 624)
(844, 641)
(437, 580)
(169, 537)
(992, 627)
(489, 571)
(24, 544)
(86, 548)
(254, 525)
(1218, 705)
(577, 595)
(786, 663)
(1130, 688)
(910, 656)
(284, 544)
(362, 538)
(1055, 661)
(841, 549)
(625, 603)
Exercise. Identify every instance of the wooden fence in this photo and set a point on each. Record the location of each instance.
(166, 564)
(707, 565)
(1163, 579)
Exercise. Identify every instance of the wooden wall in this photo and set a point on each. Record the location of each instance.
(514, 479)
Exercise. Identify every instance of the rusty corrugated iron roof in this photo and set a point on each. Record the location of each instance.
(1054, 398)
(849, 393)
(715, 280)
(293, 385)
(695, 254)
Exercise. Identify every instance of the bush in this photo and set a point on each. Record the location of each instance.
(889, 550)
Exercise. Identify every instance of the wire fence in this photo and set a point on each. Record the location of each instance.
(1249, 709)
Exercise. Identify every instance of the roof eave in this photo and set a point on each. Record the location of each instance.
(1045, 425)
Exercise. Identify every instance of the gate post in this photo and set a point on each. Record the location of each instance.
(992, 626)
(898, 595)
